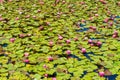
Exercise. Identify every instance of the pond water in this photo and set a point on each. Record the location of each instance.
(4, 45)
(111, 77)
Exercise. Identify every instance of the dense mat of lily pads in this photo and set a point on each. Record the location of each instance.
(59, 39)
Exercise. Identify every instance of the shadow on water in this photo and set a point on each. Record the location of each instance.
(117, 17)
(82, 30)
(84, 73)
(74, 56)
(111, 77)
(117, 26)
(82, 25)
(87, 56)
(97, 38)
(4, 45)
(90, 53)
(116, 21)
(85, 29)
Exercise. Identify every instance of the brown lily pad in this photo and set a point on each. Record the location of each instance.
(107, 72)
(111, 55)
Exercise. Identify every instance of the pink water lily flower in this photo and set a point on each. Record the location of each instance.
(90, 41)
(68, 52)
(68, 41)
(17, 18)
(76, 39)
(26, 61)
(106, 20)
(101, 74)
(45, 66)
(50, 58)
(83, 50)
(1, 1)
(1, 19)
(46, 75)
(54, 78)
(26, 54)
(12, 40)
(51, 43)
(115, 33)
(99, 43)
(9, 0)
(60, 37)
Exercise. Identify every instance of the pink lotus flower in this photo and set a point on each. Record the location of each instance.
(26, 61)
(44, 66)
(38, 10)
(82, 20)
(99, 43)
(92, 27)
(109, 12)
(90, 41)
(68, 41)
(50, 58)
(83, 50)
(41, 2)
(26, 54)
(22, 35)
(20, 12)
(51, 43)
(41, 28)
(46, 75)
(63, 1)
(28, 35)
(1, 18)
(34, 16)
(56, 2)
(106, 20)
(60, 37)
(82, 3)
(58, 13)
(92, 44)
(102, 1)
(118, 3)
(76, 39)
(115, 33)
(112, 18)
(17, 18)
(12, 40)
(91, 18)
(114, 36)
(96, 15)
(101, 74)
(111, 23)
(28, 16)
(1, 1)
(10, 0)
(48, 23)
(54, 78)
(68, 52)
